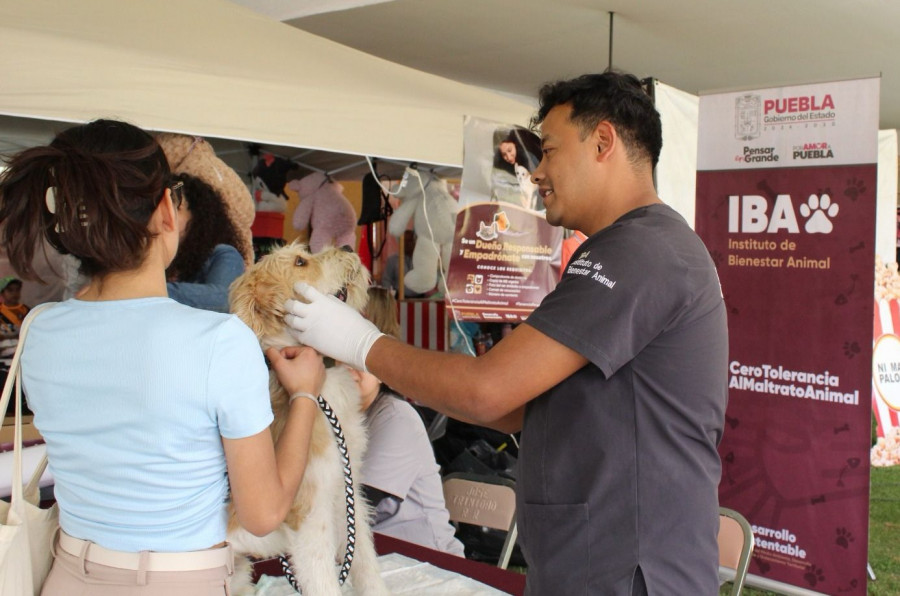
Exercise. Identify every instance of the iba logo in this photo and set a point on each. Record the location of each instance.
(750, 214)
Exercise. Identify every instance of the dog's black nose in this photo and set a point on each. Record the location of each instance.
(347, 248)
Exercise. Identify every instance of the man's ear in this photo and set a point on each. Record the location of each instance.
(604, 136)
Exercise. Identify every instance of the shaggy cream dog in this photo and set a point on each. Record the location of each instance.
(314, 533)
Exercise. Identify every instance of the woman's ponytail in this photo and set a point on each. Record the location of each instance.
(90, 193)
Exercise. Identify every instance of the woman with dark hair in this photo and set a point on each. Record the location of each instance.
(151, 411)
(516, 156)
(208, 259)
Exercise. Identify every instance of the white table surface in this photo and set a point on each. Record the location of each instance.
(402, 575)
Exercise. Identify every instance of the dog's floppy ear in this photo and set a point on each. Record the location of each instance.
(256, 296)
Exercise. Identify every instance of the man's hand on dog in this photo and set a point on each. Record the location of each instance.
(330, 326)
(298, 368)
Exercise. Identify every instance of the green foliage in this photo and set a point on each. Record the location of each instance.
(884, 531)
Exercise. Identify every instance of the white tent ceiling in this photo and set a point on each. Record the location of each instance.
(214, 68)
(194, 51)
(694, 45)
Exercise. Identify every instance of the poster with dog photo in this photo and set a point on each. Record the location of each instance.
(505, 256)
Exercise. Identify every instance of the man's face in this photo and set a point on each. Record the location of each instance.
(567, 166)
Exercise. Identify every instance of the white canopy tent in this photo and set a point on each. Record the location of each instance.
(213, 68)
(216, 69)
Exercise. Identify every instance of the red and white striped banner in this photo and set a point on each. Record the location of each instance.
(423, 323)
(886, 366)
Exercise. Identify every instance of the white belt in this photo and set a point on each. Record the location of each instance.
(152, 561)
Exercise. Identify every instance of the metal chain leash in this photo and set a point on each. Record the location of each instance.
(350, 498)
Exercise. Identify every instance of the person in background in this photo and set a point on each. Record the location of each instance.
(618, 380)
(391, 276)
(399, 473)
(153, 413)
(569, 246)
(12, 311)
(208, 259)
(49, 266)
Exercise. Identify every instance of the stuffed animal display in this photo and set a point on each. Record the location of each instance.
(193, 155)
(325, 211)
(426, 200)
(267, 183)
(268, 178)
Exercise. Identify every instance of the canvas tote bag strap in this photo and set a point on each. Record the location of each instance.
(31, 492)
(15, 377)
(14, 365)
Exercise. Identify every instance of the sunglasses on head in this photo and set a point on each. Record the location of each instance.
(177, 194)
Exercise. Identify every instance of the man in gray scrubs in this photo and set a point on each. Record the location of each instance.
(618, 380)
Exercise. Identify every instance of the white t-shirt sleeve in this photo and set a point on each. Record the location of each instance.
(238, 386)
(393, 459)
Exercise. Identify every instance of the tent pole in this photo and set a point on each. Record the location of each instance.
(611, 16)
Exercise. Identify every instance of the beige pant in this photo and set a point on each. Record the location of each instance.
(74, 576)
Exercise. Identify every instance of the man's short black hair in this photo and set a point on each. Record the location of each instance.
(613, 96)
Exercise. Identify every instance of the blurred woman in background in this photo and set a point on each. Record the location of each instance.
(208, 259)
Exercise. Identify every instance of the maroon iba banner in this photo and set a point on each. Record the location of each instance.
(786, 205)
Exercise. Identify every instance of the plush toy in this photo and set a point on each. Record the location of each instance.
(268, 178)
(267, 183)
(325, 211)
(193, 155)
(426, 199)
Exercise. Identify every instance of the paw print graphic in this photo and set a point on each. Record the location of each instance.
(844, 538)
(851, 349)
(728, 305)
(813, 575)
(855, 187)
(819, 213)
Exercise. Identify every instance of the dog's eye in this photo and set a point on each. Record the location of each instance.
(300, 262)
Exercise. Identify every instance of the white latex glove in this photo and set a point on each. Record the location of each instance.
(330, 326)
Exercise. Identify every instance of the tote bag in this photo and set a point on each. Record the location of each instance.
(26, 530)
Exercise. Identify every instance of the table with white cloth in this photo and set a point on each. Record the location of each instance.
(408, 568)
(402, 575)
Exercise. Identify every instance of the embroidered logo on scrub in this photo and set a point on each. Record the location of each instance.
(584, 266)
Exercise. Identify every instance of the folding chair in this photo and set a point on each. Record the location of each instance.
(735, 548)
(481, 500)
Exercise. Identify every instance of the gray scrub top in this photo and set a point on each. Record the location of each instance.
(618, 464)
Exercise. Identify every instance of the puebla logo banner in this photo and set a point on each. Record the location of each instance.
(786, 205)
